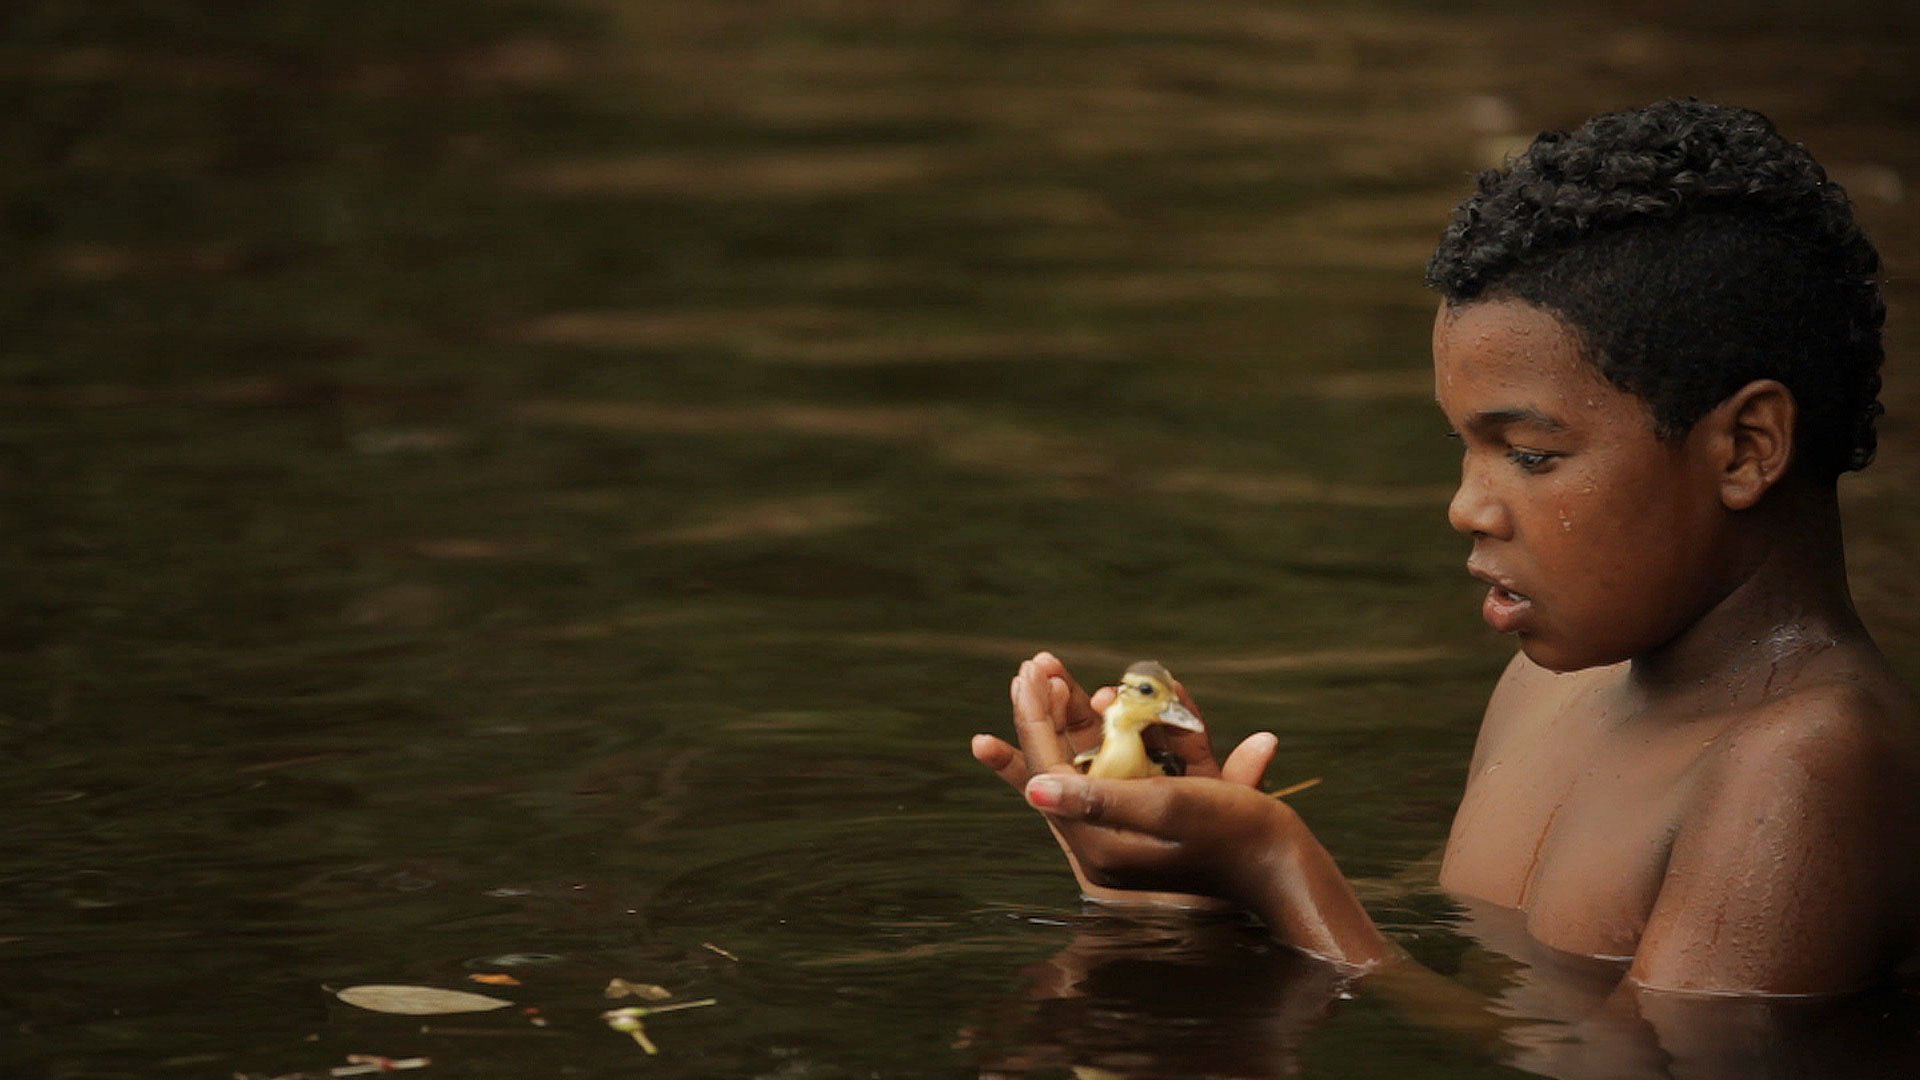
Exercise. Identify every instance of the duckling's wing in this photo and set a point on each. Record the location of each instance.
(1178, 716)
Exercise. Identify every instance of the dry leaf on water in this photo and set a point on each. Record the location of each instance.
(618, 988)
(418, 1000)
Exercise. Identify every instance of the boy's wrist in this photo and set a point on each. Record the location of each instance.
(1264, 886)
(1299, 892)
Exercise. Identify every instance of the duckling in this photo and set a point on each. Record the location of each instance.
(1145, 698)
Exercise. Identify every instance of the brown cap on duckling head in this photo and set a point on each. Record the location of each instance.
(1152, 669)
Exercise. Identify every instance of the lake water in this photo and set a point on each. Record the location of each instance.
(548, 489)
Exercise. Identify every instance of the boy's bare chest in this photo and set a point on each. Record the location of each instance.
(1576, 838)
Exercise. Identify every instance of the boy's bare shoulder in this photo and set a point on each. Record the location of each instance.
(1829, 769)
(1850, 724)
(1789, 871)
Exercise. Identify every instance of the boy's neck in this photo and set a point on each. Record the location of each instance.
(1787, 603)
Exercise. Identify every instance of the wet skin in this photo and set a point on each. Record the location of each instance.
(1598, 540)
(1708, 788)
(1699, 763)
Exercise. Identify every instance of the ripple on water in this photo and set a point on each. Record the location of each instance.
(874, 897)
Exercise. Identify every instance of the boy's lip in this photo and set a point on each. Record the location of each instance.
(1506, 608)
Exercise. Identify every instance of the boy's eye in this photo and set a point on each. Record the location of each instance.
(1529, 460)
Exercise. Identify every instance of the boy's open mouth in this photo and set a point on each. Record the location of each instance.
(1504, 609)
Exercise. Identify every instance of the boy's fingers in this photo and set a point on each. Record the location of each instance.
(1192, 747)
(1034, 719)
(1002, 758)
(1102, 698)
(1080, 711)
(1248, 762)
(1186, 699)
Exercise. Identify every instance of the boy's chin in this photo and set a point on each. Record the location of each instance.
(1557, 658)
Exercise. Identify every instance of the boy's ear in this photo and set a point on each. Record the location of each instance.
(1756, 428)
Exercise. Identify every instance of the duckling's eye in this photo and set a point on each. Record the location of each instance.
(1145, 688)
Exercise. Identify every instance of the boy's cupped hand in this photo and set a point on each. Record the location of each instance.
(1182, 841)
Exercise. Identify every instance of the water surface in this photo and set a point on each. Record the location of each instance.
(549, 488)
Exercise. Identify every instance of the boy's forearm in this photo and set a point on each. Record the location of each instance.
(1307, 903)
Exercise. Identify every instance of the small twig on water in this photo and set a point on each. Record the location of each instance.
(1295, 789)
(362, 1064)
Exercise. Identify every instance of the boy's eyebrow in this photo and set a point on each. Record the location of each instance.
(1490, 419)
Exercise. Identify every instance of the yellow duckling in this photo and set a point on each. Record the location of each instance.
(1145, 698)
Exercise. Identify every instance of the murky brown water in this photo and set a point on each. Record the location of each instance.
(549, 489)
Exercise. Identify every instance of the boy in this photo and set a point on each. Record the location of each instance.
(1659, 346)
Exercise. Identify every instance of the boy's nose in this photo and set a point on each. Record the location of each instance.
(1474, 511)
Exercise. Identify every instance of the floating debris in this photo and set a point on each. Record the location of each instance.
(418, 1000)
(632, 1026)
(494, 978)
(362, 1064)
(619, 988)
(441, 1029)
(1295, 789)
(517, 959)
(629, 1019)
(711, 947)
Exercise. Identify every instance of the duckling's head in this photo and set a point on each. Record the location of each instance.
(1146, 696)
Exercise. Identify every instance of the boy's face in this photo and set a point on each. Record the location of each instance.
(1597, 538)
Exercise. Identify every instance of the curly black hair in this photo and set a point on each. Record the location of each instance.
(1692, 249)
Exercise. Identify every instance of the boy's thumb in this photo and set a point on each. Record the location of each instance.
(1051, 791)
(1067, 796)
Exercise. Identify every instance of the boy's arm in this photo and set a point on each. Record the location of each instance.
(1783, 883)
(1209, 837)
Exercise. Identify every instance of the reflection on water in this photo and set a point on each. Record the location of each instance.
(561, 480)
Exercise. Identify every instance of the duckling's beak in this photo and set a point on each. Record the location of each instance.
(1177, 715)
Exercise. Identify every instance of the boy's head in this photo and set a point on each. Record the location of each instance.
(1692, 250)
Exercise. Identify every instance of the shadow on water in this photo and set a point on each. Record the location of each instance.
(547, 487)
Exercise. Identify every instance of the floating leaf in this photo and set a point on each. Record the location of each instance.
(494, 978)
(418, 1000)
(619, 988)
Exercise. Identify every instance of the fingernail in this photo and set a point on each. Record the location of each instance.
(1044, 792)
(1265, 740)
